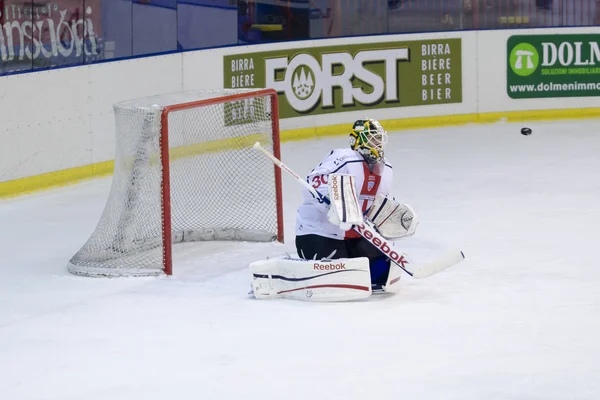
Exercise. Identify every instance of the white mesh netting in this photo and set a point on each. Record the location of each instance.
(220, 188)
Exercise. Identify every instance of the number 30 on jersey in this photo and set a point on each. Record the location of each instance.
(319, 180)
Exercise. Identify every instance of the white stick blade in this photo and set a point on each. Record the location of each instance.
(450, 259)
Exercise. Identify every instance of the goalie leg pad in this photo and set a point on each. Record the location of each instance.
(311, 280)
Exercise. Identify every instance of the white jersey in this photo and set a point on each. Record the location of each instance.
(312, 214)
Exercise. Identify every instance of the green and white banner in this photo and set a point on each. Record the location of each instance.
(553, 66)
(322, 80)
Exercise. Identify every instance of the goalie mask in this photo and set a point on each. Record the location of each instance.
(368, 138)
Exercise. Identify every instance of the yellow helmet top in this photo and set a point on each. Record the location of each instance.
(368, 138)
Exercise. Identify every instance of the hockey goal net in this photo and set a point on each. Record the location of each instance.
(185, 170)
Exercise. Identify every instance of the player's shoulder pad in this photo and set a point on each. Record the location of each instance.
(336, 160)
(343, 155)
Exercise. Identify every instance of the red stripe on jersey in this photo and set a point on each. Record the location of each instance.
(369, 188)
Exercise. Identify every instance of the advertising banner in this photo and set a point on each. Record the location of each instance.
(45, 34)
(322, 80)
(553, 66)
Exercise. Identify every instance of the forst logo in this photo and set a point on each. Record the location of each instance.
(357, 76)
(524, 59)
(308, 81)
(303, 82)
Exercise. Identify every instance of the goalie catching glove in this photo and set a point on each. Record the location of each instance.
(392, 219)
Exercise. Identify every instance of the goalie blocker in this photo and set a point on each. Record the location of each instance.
(344, 209)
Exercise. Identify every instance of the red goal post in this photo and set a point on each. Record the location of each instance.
(185, 170)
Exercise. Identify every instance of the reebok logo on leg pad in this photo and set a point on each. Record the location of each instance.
(329, 267)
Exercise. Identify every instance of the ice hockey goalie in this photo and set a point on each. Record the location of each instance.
(335, 262)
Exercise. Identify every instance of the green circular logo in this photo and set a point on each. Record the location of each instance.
(524, 59)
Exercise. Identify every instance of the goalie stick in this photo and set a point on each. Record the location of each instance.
(368, 231)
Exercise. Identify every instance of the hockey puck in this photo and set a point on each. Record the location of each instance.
(526, 131)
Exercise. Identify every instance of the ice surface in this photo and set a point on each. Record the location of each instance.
(518, 319)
